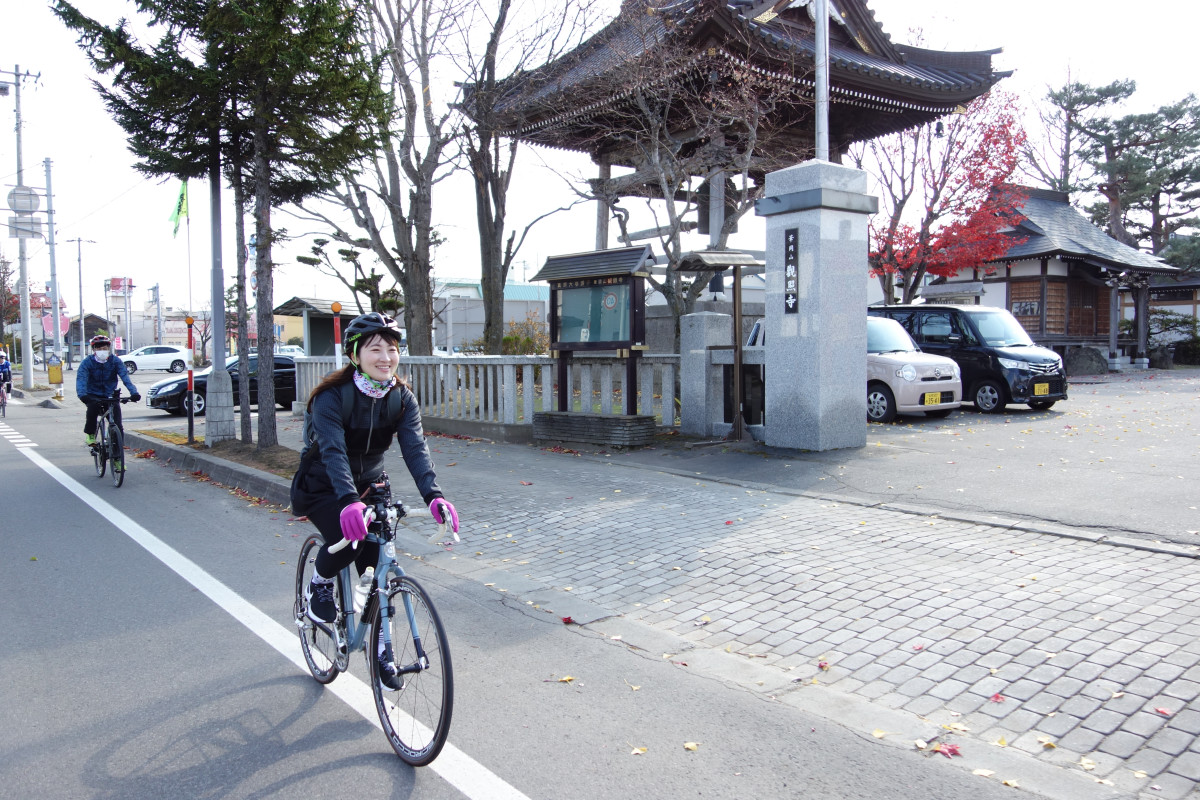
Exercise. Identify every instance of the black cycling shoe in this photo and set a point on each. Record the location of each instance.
(389, 677)
(321, 607)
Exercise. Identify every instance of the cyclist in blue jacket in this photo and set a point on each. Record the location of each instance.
(5, 372)
(96, 380)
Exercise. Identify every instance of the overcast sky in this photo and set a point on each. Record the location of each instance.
(99, 197)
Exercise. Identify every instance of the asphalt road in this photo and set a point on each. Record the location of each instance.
(147, 651)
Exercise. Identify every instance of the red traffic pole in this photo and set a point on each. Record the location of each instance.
(336, 308)
(191, 389)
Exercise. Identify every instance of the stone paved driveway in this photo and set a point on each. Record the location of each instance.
(1024, 638)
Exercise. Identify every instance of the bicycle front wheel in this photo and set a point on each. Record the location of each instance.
(116, 454)
(100, 449)
(416, 717)
(317, 641)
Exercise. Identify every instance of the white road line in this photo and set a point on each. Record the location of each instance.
(453, 765)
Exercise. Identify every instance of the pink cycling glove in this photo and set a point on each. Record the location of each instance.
(354, 529)
(443, 511)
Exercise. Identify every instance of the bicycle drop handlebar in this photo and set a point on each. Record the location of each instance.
(368, 518)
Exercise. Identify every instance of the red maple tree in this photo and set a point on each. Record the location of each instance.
(945, 202)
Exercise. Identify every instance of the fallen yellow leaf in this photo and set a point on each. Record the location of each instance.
(878, 733)
(638, 751)
(1001, 742)
(921, 744)
(983, 773)
(1140, 774)
(1087, 763)
(566, 679)
(691, 745)
(1047, 742)
(957, 727)
(1011, 783)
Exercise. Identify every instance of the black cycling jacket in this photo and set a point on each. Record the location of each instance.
(343, 462)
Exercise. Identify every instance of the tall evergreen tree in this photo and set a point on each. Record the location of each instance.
(278, 88)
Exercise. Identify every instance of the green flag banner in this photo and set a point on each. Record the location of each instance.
(181, 208)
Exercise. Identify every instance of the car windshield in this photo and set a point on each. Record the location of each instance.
(886, 336)
(999, 329)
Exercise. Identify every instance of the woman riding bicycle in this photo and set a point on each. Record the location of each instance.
(95, 382)
(339, 462)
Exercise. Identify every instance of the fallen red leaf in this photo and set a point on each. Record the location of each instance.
(1166, 712)
(526, 483)
(997, 698)
(823, 665)
(948, 750)
(568, 621)
(918, 647)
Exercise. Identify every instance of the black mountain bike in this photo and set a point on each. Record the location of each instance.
(416, 716)
(109, 450)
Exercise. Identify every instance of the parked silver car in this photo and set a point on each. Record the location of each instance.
(903, 380)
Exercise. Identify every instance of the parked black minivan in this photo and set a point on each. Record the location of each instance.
(1000, 364)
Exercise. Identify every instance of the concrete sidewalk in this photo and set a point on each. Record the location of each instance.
(1074, 647)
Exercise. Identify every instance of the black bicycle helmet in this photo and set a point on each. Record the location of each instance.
(362, 328)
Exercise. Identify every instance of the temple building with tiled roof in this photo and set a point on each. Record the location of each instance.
(593, 99)
(877, 86)
(1063, 278)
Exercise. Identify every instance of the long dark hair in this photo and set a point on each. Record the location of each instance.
(332, 380)
(346, 374)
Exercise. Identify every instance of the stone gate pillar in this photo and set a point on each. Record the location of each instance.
(815, 380)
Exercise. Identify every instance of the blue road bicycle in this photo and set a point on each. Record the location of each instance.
(416, 716)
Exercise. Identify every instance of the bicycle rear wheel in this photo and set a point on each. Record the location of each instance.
(100, 448)
(416, 719)
(116, 454)
(317, 642)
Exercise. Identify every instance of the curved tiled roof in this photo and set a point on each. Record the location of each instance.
(865, 67)
(1052, 227)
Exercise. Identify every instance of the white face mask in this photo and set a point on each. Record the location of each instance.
(102, 355)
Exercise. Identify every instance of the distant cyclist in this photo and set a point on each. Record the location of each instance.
(342, 461)
(96, 380)
(5, 373)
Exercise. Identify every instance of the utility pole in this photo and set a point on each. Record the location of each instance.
(158, 326)
(56, 312)
(24, 202)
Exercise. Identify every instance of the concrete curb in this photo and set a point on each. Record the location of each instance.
(271, 488)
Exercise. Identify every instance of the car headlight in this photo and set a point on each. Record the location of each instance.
(1012, 363)
(174, 388)
(908, 372)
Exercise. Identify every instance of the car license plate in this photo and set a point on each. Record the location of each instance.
(931, 399)
(1041, 388)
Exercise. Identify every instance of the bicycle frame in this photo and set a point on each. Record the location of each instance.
(381, 530)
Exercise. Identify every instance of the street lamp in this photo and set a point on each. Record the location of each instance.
(79, 259)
